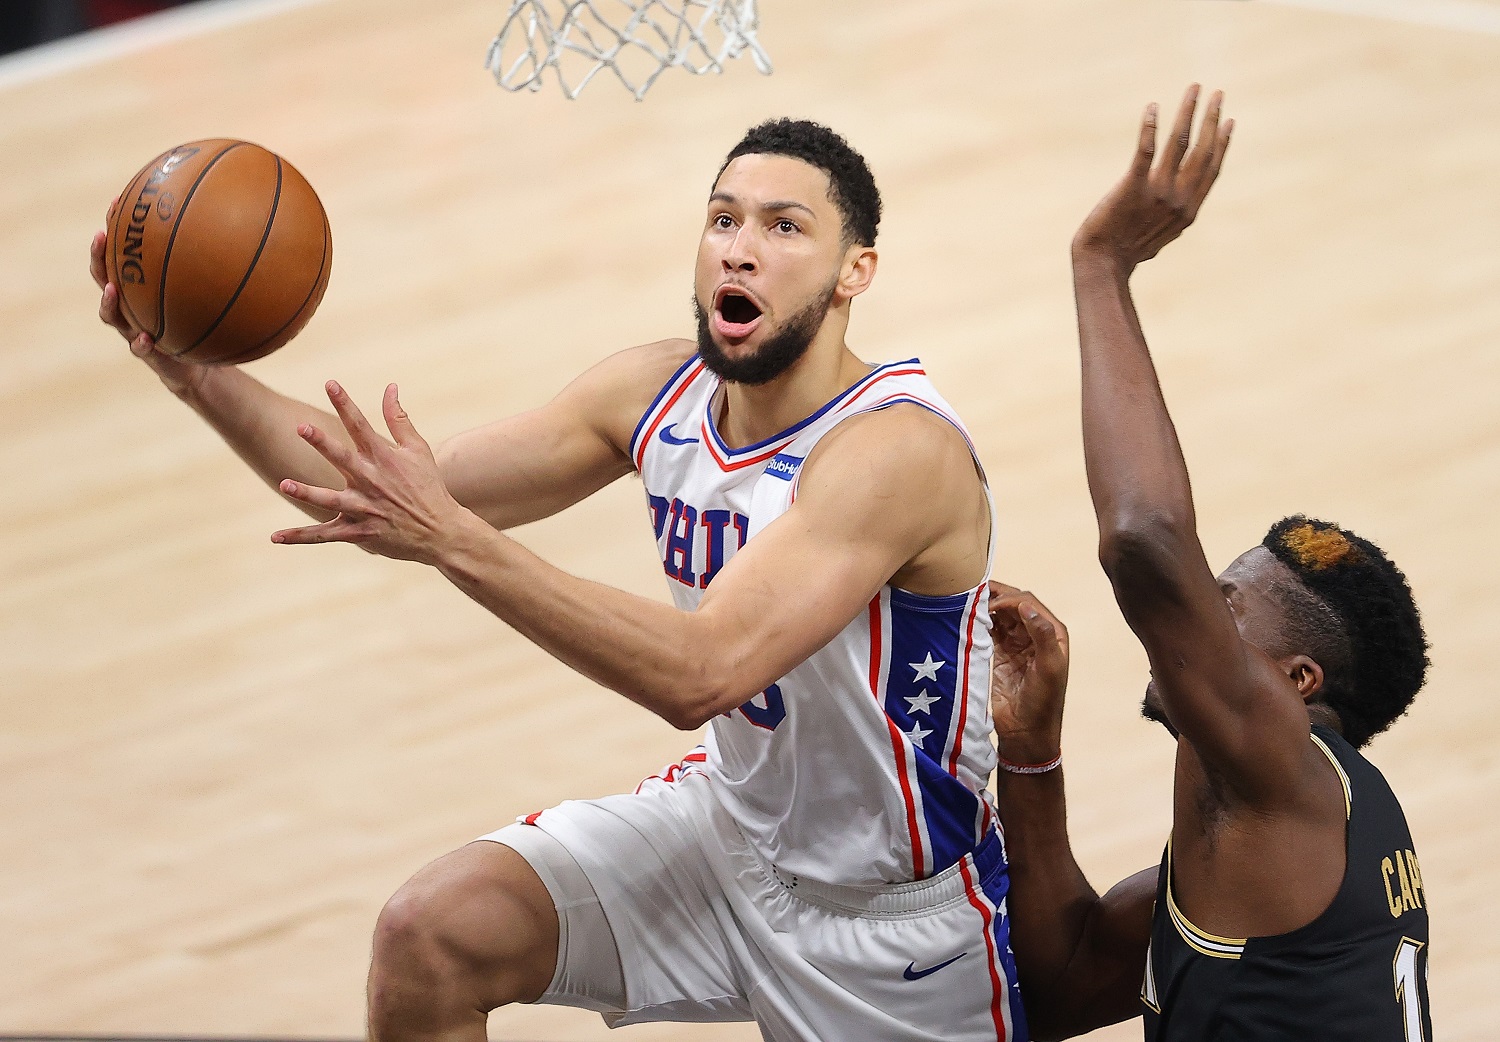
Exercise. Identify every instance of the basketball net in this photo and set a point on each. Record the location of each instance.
(637, 40)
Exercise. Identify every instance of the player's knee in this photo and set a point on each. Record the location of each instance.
(459, 930)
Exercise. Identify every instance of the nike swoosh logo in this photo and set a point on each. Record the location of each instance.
(671, 439)
(912, 973)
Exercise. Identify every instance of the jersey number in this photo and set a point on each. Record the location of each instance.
(771, 714)
(1408, 994)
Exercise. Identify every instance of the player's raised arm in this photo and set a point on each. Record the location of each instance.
(1208, 679)
(1080, 957)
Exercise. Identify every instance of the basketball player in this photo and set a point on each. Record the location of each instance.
(827, 863)
(1289, 902)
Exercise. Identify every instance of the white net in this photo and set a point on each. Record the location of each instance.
(637, 40)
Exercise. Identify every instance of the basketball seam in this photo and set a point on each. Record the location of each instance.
(248, 354)
(264, 238)
(172, 239)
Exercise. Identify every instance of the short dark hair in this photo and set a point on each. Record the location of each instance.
(851, 186)
(1361, 623)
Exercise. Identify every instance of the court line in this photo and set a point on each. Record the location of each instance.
(113, 41)
(1465, 16)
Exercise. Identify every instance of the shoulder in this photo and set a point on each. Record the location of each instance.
(617, 390)
(905, 442)
(641, 371)
(902, 456)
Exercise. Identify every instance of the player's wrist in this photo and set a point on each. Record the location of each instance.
(1030, 752)
(1093, 259)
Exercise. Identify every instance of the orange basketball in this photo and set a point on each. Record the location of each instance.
(220, 250)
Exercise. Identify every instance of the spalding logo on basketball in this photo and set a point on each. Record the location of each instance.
(220, 250)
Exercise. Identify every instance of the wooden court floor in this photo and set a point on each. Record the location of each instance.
(218, 757)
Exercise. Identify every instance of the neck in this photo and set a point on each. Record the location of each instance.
(751, 414)
(1320, 713)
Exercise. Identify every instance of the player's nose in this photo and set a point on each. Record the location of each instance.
(741, 253)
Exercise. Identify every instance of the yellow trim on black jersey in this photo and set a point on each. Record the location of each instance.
(1344, 778)
(1200, 941)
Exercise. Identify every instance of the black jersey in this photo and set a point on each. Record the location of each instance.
(1358, 972)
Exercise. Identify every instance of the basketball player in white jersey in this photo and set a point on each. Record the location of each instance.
(827, 863)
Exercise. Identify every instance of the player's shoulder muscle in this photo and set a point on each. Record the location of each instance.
(613, 394)
(903, 455)
(903, 446)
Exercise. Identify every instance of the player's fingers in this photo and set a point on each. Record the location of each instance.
(109, 305)
(399, 423)
(1182, 131)
(1220, 147)
(334, 451)
(1204, 179)
(96, 259)
(142, 346)
(1006, 597)
(323, 498)
(360, 432)
(1046, 629)
(1208, 139)
(1145, 149)
(336, 531)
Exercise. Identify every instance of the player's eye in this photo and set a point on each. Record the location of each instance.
(723, 220)
(787, 227)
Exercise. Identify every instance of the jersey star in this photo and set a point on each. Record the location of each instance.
(921, 701)
(926, 670)
(917, 734)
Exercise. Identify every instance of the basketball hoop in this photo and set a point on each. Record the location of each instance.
(637, 40)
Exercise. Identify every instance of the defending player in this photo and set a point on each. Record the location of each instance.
(1289, 902)
(828, 864)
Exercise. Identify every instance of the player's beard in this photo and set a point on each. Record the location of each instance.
(779, 353)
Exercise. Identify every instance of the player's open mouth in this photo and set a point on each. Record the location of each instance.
(735, 314)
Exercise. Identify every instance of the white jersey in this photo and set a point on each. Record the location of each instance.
(869, 762)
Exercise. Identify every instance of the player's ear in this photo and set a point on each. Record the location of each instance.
(1306, 674)
(857, 271)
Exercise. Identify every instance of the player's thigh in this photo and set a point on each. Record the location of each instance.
(480, 917)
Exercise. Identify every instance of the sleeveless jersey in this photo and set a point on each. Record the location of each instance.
(1358, 972)
(868, 762)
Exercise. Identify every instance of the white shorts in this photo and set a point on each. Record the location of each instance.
(667, 913)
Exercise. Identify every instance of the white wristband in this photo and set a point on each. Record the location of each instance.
(1030, 768)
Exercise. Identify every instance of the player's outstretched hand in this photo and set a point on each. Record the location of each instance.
(1029, 677)
(395, 502)
(1159, 196)
(178, 376)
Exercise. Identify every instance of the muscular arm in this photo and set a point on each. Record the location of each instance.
(1212, 684)
(877, 497)
(1080, 957)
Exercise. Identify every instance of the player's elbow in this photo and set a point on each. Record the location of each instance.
(686, 717)
(695, 698)
(1141, 552)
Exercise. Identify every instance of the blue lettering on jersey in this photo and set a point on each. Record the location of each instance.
(771, 714)
(659, 508)
(677, 558)
(716, 523)
(784, 466)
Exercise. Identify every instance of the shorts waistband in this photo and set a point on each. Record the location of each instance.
(897, 899)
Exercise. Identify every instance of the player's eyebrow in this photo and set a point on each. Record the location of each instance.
(774, 206)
